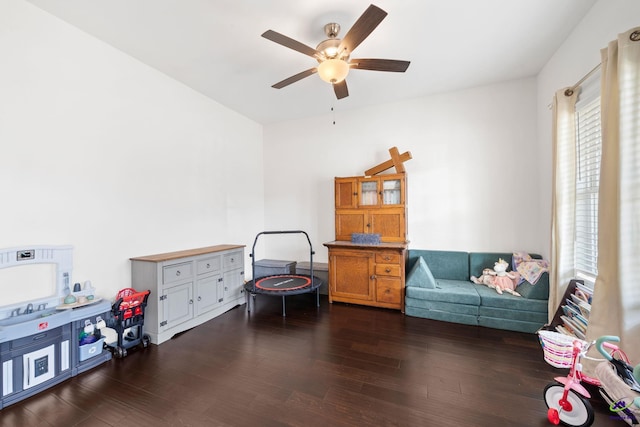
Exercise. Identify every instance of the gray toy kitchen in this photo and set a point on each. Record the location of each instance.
(49, 325)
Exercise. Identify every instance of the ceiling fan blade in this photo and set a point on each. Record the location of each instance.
(295, 78)
(380, 65)
(367, 22)
(341, 89)
(290, 43)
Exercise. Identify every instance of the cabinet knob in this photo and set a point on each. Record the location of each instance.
(355, 194)
(387, 258)
(220, 279)
(388, 270)
(373, 277)
(368, 225)
(178, 273)
(190, 301)
(208, 265)
(199, 298)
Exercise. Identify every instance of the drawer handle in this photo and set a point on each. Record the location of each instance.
(232, 260)
(388, 270)
(178, 273)
(220, 279)
(387, 258)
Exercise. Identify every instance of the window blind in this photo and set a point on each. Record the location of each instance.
(588, 152)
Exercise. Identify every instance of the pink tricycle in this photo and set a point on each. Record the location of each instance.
(566, 397)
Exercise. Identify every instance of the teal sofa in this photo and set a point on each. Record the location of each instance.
(438, 287)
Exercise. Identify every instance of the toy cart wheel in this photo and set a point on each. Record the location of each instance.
(146, 339)
(121, 352)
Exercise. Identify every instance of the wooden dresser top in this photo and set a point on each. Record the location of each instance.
(186, 253)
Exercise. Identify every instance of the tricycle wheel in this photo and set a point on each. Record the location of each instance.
(579, 412)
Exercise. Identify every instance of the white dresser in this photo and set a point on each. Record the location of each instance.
(188, 287)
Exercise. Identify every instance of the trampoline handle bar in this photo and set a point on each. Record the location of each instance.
(253, 248)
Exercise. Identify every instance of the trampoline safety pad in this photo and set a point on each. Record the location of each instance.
(286, 282)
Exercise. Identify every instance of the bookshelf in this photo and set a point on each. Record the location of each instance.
(572, 316)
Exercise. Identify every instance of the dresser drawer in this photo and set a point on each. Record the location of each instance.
(387, 270)
(177, 272)
(233, 260)
(388, 258)
(389, 291)
(208, 265)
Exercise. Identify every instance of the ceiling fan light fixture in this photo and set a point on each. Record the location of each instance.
(333, 70)
(329, 48)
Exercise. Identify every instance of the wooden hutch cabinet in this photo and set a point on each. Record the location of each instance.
(371, 205)
(369, 274)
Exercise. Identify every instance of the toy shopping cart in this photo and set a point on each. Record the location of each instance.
(127, 320)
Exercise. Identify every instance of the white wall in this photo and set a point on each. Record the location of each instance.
(480, 178)
(470, 183)
(579, 54)
(104, 153)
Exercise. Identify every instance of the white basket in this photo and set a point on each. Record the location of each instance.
(558, 348)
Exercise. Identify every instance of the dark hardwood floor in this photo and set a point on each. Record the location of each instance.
(339, 365)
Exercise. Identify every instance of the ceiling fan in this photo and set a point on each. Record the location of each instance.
(333, 53)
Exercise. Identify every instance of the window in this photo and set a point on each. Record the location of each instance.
(588, 153)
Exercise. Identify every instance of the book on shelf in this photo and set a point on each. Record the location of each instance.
(574, 317)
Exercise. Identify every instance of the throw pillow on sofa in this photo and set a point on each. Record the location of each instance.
(421, 276)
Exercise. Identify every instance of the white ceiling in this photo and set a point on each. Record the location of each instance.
(214, 46)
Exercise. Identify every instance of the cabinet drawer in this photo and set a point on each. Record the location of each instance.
(387, 270)
(233, 260)
(208, 265)
(388, 258)
(389, 291)
(176, 272)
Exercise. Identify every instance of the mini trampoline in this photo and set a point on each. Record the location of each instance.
(282, 285)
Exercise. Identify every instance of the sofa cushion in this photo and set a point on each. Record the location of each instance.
(509, 315)
(466, 309)
(443, 264)
(443, 316)
(490, 298)
(510, 325)
(420, 275)
(454, 291)
(539, 291)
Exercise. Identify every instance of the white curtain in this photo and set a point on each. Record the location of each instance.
(564, 196)
(616, 300)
